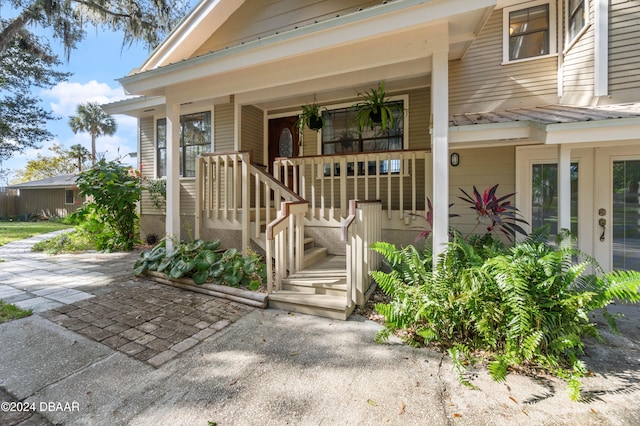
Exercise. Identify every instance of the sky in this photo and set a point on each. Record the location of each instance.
(96, 64)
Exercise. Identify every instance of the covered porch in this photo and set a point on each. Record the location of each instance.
(241, 185)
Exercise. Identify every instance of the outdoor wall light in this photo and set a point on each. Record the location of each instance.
(455, 159)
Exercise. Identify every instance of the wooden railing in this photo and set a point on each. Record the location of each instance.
(285, 244)
(231, 189)
(398, 178)
(361, 228)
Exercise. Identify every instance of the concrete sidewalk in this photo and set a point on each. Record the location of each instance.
(274, 367)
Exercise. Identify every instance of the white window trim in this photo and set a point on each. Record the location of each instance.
(190, 109)
(569, 43)
(552, 31)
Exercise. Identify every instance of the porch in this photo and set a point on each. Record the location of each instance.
(314, 219)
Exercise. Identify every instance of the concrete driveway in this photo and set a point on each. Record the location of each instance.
(243, 366)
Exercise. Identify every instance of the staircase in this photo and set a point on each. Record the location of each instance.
(319, 289)
(235, 194)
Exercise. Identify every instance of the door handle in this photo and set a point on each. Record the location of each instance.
(603, 224)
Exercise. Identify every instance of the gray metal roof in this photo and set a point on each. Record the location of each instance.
(60, 181)
(549, 114)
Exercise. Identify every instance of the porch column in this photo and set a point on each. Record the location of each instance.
(173, 173)
(440, 149)
(564, 187)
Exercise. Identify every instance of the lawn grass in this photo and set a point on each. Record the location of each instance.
(10, 312)
(13, 231)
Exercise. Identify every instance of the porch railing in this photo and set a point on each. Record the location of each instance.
(231, 189)
(398, 178)
(361, 228)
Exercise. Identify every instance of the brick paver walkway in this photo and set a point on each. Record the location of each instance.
(148, 321)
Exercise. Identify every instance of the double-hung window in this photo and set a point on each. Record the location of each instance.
(529, 32)
(195, 139)
(340, 135)
(576, 18)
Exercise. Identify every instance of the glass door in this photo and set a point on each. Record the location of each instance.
(625, 217)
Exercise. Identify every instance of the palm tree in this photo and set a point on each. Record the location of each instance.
(92, 119)
(80, 154)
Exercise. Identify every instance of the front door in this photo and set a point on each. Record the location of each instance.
(283, 142)
(617, 208)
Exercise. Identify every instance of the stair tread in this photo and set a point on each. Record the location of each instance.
(315, 281)
(317, 300)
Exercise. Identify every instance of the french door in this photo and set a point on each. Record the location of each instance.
(617, 208)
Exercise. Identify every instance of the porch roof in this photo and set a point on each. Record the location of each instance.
(549, 114)
(550, 124)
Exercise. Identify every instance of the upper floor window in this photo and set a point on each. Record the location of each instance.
(529, 32)
(195, 138)
(576, 18)
(340, 135)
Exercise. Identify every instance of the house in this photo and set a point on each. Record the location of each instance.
(541, 97)
(55, 196)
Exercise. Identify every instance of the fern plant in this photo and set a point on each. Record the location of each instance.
(523, 306)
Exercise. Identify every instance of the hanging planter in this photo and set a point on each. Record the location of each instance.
(310, 117)
(376, 110)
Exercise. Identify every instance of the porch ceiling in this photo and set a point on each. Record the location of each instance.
(391, 41)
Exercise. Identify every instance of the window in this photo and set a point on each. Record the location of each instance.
(340, 135)
(195, 139)
(576, 18)
(530, 32)
(544, 197)
(69, 196)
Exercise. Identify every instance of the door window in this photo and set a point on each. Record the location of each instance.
(544, 197)
(626, 214)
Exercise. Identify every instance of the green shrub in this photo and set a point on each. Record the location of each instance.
(203, 262)
(71, 242)
(111, 215)
(523, 306)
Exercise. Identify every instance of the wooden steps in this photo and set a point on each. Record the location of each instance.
(319, 289)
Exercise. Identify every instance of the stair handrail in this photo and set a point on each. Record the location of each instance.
(285, 243)
(242, 174)
(358, 231)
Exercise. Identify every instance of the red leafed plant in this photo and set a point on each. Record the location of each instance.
(428, 216)
(494, 212)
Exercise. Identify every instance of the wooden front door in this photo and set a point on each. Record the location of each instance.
(283, 141)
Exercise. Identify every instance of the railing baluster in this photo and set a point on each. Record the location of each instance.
(413, 172)
(389, 200)
(343, 188)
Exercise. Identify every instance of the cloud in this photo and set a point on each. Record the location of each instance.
(66, 96)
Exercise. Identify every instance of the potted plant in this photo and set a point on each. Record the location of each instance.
(310, 117)
(376, 109)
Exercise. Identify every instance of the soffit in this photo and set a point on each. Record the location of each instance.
(360, 41)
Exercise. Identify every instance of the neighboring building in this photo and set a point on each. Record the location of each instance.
(541, 97)
(56, 196)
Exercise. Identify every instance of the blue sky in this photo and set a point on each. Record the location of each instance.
(96, 64)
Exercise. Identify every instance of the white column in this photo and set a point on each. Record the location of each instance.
(173, 174)
(440, 150)
(564, 187)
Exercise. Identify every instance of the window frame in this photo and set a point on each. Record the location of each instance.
(182, 147)
(552, 30)
(66, 197)
(569, 40)
(405, 138)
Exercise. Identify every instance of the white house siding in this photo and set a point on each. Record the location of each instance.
(147, 162)
(223, 128)
(624, 50)
(252, 135)
(479, 82)
(482, 167)
(260, 18)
